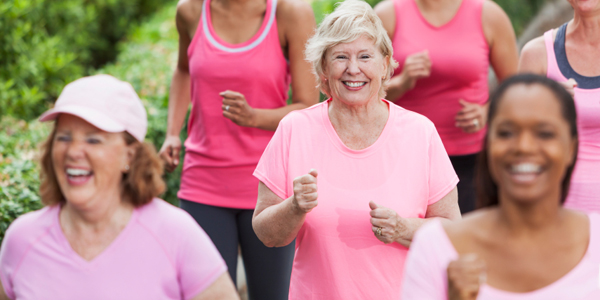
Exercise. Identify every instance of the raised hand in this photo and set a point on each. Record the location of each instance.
(570, 86)
(387, 225)
(305, 192)
(169, 152)
(472, 117)
(416, 66)
(465, 277)
(236, 108)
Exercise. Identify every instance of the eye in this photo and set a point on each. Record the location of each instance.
(504, 133)
(341, 57)
(546, 134)
(93, 140)
(365, 56)
(62, 138)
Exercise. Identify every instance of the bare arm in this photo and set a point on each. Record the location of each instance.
(501, 40)
(298, 24)
(416, 65)
(402, 230)
(221, 289)
(179, 94)
(277, 221)
(533, 57)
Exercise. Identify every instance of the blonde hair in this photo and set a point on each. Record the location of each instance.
(139, 186)
(351, 20)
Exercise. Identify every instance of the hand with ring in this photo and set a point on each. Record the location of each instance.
(236, 108)
(386, 224)
(472, 117)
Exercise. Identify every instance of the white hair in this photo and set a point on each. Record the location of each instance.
(351, 20)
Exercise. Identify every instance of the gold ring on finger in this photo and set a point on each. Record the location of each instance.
(378, 231)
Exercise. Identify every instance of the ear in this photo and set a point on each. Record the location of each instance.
(386, 64)
(129, 154)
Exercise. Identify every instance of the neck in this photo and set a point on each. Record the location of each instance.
(585, 27)
(529, 218)
(95, 217)
(343, 114)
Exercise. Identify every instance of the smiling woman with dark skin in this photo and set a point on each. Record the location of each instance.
(524, 245)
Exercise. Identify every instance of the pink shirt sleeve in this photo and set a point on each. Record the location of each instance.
(273, 164)
(10, 256)
(442, 178)
(199, 263)
(425, 269)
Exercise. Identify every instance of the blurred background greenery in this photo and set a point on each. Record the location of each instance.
(44, 44)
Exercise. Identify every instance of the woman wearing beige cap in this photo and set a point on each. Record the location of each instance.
(103, 233)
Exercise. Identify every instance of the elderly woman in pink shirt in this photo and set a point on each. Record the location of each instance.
(351, 178)
(524, 245)
(103, 234)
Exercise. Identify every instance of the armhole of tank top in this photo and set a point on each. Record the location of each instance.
(552, 69)
(481, 3)
(194, 39)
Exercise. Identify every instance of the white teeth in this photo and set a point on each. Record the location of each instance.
(354, 84)
(77, 172)
(526, 168)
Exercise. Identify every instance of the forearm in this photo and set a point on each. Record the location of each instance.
(278, 225)
(396, 88)
(179, 101)
(268, 119)
(412, 225)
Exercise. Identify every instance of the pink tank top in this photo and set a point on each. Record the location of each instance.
(459, 68)
(220, 155)
(584, 193)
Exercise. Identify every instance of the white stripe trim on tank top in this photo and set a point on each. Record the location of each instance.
(262, 36)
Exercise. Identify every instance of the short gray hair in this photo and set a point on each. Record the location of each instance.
(351, 20)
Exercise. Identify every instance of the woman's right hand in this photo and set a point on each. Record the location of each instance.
(570, 86)
(305, 192)
(169, 152)
(465, 276)
(416, 66)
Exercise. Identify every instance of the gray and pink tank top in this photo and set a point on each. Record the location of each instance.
(220, 155)
(584, 193)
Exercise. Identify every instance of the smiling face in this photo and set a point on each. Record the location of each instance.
(585, 6)
(354, 71)
(529, 144)
(88, 162)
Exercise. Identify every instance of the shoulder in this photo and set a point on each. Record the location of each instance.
(303, 117)
(495, 21)
(164, 220)
(406, 118)
(27, 229)
(534, 57)
(188, 12)
(473, 226)
(295, 13)
(387, 12)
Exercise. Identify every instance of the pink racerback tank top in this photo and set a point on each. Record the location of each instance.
(584, 193)
(459, 56)
(220, 155)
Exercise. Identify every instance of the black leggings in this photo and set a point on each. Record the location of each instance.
(464, 166)
(267, 269)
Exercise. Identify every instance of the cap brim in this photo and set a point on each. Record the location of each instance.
(94, 117)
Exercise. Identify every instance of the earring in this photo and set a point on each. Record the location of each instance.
(126, 167)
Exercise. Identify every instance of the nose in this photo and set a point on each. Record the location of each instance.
(352, 67)
(526, 142)
(75, 150)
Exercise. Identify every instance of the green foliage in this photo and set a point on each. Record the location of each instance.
(46, 44)
(19, 177)
(147, 60)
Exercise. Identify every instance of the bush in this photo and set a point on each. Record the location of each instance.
(46, 44)
(19, 175)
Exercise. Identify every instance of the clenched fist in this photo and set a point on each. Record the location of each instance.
(465, 276)
(305, 192)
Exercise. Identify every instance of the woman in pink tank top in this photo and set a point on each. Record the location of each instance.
(445, 49)
(571, 56)
(236, 62)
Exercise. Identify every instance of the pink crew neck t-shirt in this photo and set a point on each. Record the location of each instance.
(459, 56)
(431, 251)
(337, 255)
(584, 191)
(221, 155)
(162, 253)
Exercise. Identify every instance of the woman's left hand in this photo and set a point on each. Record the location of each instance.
(236, 108)
(472, 117)
(388, 226)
